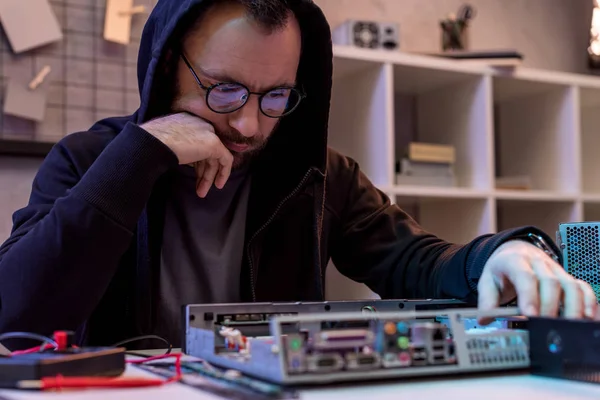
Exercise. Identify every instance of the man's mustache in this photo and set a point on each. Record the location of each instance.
(238, 138)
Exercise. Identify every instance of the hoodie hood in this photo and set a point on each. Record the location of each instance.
(300, 141)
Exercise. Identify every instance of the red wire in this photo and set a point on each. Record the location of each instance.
(32, 350)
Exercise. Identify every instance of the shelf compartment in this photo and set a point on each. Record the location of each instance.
(546, 215)
(536, 133)
(439, 192)
(591, 211)
(360, 123)
(533, 195)
(449, 108)
(452, 219)
(590, 139)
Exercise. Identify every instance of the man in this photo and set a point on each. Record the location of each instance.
(220, 188)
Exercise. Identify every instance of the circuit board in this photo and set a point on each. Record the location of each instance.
(312, 349)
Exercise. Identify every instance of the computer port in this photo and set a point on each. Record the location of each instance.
(395, 360)
(367, 360)
(451, 349)
(437, 358)
(419, 355)
(362, 361)
(295, 364)
(343, 339)
(439, 335)
(324, 362)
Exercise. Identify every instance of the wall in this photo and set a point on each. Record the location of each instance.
(16, 175)
(524, 24)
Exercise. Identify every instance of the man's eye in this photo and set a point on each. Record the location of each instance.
(278, 93)
(227, 88)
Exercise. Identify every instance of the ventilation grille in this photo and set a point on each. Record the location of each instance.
(366, 34)
(581, 372)
(499, 348)
(583, 254)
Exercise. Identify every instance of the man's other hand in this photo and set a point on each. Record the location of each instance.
(520, 269)
(194, 142)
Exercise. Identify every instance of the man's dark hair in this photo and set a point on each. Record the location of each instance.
(270, 15)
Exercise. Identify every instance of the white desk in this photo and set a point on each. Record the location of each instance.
(464, 388)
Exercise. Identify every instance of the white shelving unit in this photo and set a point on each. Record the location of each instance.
(502, 123)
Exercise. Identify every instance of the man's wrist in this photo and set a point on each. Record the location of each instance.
(539, 242)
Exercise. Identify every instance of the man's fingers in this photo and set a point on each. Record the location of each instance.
(199, 167)
(525, 281)
(590, 300)
(549, 287)
(225, 165)
(213, 170)
(573, 296)
(489, 293)
(574, 302)
(489, 296)
(210, 171)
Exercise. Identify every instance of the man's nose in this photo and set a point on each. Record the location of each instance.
(245, 120)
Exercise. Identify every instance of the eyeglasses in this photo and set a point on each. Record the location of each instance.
(227, 97)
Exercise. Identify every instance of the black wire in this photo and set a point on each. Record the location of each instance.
(28, 335)
(145, 337)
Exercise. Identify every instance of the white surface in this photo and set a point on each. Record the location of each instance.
(463, 388)
(496, 388)
(536, 123)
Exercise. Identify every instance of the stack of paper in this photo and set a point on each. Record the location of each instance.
(29, 24)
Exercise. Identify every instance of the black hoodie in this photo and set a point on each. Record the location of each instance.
(84, 253)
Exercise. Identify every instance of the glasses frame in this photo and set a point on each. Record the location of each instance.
(261, 95)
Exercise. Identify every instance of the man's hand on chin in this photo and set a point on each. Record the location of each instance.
(522, 270)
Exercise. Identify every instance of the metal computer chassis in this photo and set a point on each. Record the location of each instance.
(204, 316)
(313, 349)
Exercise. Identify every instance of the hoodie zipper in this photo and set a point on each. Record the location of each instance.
(285, 199)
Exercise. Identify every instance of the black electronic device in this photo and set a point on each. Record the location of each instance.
(565, 348)
(84, 361)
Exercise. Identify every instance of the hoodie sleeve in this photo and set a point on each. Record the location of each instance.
(66, 243)
(383, 247)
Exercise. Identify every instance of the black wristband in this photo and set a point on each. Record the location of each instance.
(541, 244)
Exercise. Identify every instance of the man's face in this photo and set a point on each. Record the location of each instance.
(228, 47)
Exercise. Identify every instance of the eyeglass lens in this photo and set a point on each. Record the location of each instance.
(229, 97)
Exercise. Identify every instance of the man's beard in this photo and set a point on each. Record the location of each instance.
(255, 146)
